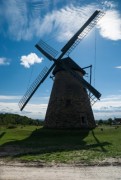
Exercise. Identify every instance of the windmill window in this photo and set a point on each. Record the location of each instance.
(68, 102)
(83, 120)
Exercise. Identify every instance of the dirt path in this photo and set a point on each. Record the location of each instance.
(10, 172)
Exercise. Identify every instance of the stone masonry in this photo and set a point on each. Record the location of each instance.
(69, 104)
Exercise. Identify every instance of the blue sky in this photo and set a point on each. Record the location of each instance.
(24, 22)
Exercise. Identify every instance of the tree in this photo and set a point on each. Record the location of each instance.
(15, 119)
(110, 121)
(100, 122)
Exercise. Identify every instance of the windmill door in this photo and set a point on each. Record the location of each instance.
(83, 118)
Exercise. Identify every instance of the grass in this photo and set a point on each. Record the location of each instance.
(32, 143)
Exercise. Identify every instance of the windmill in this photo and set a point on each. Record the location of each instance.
(70, 103)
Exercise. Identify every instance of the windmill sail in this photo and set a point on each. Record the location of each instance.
(47, 50)
(39, 80)
(51, 53)
(72, 43)
(82, 81)
(82, 32)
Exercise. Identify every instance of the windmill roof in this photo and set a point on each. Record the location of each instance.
(69, 63)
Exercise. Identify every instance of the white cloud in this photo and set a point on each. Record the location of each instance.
(9, 97)
(110, 25)
(4, 61)
(30, 59)
(65, 22)
(35, 111)
(68, 20)
(118, 67)
(25, 22)
(108, 107)
(108, 4)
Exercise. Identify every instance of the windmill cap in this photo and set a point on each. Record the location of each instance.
(69, 63)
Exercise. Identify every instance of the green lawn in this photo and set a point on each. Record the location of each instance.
(32, 143)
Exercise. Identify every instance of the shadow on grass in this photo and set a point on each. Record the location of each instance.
(101, 145)
(2, 134)
(43, 141)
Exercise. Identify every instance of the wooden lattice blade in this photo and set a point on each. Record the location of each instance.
(84, 83)
(82, 32)
(35, 85)
(46, 50)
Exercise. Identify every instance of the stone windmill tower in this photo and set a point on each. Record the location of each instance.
(69, 105)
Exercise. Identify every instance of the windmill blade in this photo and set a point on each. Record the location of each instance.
(47, 50)
(82, 32)
(35, 85)
(81, 80)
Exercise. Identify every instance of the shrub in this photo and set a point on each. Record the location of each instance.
(11, 127)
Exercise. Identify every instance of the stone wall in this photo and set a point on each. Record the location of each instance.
(69, 105)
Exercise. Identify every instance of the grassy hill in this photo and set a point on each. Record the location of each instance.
(34, 143)
(15, 119)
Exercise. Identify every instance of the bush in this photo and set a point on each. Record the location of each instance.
(11, 127)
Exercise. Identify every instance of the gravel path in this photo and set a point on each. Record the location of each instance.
(8, 172)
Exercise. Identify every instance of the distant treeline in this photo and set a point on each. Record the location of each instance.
(15, 119)
(109, 121)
